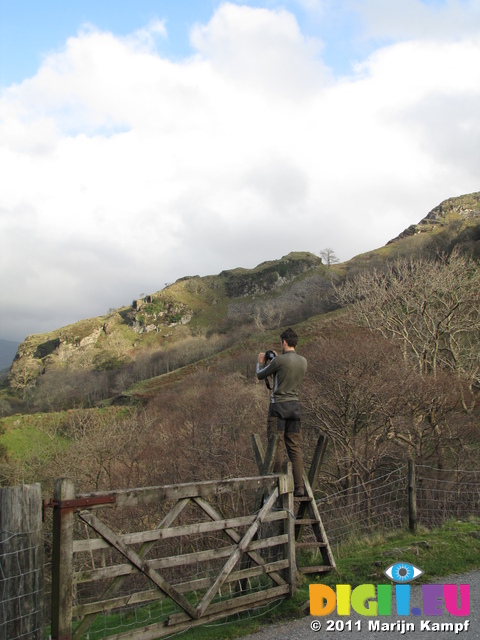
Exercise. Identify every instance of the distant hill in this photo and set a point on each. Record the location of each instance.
(453, 223)
(8, 349)
(456, 218)
(191, 310)
(175, 326)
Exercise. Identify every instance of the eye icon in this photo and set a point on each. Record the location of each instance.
(402, 572)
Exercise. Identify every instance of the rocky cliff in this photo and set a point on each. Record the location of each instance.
(463, 211)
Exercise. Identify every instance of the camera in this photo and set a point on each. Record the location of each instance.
(269, 355)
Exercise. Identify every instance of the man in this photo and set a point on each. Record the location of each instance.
(288, 370)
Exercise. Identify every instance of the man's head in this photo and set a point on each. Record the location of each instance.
(290, 338)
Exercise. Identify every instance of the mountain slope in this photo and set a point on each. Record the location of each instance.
(274, 293)
(198, 316)
(454, 222)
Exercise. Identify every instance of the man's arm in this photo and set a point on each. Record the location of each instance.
(264, 372)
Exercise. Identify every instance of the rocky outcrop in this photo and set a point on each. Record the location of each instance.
(96, 343)
(298, 300)
(153, 312)
(268, 276)
(464, 208)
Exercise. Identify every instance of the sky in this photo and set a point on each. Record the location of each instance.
(142, 141)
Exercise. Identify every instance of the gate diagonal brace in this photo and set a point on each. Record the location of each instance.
(116, 584)
(114, 540)
(236, 537)
(237, 553)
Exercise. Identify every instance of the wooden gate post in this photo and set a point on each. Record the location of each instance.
(285, 487)
(62, 559)
(21, 563)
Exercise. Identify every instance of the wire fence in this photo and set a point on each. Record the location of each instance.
(446, 493)
(21, 587)
(363, 508)
(382, 504)
(379, 505)
(134, 617)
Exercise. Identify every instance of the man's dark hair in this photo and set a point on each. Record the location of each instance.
(290, 337)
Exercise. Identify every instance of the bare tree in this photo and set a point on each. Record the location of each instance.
(432, 307)
(23, 376)
(351, 393)
(104, 448)
(328, 256)
(377, 410)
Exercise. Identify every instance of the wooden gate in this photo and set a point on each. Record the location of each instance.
(202, 564)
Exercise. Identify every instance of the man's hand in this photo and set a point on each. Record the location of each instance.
(261, 358)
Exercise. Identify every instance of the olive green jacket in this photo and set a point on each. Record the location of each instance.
(288, 370)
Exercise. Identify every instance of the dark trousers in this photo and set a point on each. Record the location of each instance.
(285, 417)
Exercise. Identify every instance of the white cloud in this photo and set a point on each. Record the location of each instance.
(123, 170)
(261, 50)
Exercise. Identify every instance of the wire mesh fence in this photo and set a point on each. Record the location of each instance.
(382, 504)
(363, 508)
(446, 493)
(21, 587)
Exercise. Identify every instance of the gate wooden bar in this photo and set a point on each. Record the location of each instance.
(197, 597)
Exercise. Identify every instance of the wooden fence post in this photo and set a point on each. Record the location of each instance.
(412, 497)
(62, 559)
(285, 485)
(21, 563)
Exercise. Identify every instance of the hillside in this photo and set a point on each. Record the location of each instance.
(164, 390)
(196, 317)
(201, 313)
(454, 222)
(460, 215)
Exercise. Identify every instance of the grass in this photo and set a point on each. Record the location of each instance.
(40, 435)
(32, 435)
(26, 441)
(452, 548)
